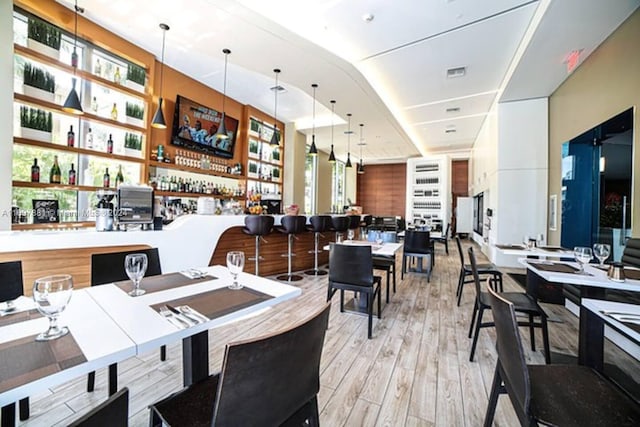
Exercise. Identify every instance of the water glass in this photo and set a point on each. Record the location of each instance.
(136, 265)
(602, 252)
(235, 264)
(351, 234)
(51, 295)
(583, 256)
(379, 238)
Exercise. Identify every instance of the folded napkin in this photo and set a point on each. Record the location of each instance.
(21, 303)
(194, 274)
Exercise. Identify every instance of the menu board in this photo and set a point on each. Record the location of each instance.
(45, 211)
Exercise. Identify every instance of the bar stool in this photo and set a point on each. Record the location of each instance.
(258, 226)
(365, 224)
(339, 224)
(291, 225)
(318, 224)
(354, 223)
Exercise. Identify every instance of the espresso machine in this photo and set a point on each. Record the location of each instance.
(104, 210)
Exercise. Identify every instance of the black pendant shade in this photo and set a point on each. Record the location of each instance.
(313, 150)
(332, 156)
(158, 121)
(360, 167)
(348, 164)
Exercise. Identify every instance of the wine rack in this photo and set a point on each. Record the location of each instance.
(427, 201)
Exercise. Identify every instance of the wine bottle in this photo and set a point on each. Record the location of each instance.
(110, 145)
(72, 175)
(94, 105)
(106, 180)
(71, 137)
(97, 69)
(114, 112)
(55, 174)
(89, 143)
(119, 176)
(35, 171)
(116, 76)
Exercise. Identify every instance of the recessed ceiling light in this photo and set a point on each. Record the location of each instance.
(456, 72)
(367, 17)
(453, 110)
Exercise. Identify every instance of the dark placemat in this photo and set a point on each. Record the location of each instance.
(163, 282)
(219, 302)
(553, 249)
(507, 247)
(25, 359)
(632, 274)
(556, 268)
(20, 316)
(633, 326)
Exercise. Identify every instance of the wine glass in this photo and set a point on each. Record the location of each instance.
(351, 234)
(583, 256)
(136, 265)
(601, 251)
(379, 238)
(235, 264)
(51, 295)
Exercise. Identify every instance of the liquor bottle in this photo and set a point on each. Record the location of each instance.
(55, 174)
(15, 212)
(71, 137)
(72, 175)
(116, 76)
(94, 105)
(119, 176)
(106, 180)
(35, 171)
(114, 112)
(97, 68)
(89, 143)
(110, 145)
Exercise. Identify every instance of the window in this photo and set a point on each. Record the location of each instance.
(310, 183)
(337, 187)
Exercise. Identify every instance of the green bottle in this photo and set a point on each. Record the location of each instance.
(56, 175)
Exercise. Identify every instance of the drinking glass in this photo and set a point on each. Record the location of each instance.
(379, 238)
(351, 234)
(601, 251)
(136, 265)
(583, 256)
(51, 295)
(235, 264)
(525, 240)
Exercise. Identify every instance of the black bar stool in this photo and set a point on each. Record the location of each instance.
(354, 223)
(291, 225)
(340, 224)
(365, 224)
(257, 225)
(318, 224)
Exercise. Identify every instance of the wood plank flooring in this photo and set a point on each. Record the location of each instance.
(414, 372)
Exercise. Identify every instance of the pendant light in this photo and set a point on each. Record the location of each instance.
(72, 103)
(222, 129)
(332, 156)
(158, 121)
(361, 143)
(274, 137)
(313, 150)
(348, 164)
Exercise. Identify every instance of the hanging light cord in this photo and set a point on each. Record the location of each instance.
(333, 107)
(349, 137)
(164, 34)
(313, 125)
(224, 86)
(275, 109)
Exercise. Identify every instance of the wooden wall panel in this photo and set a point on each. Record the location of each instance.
(382, 190)
(460, 177)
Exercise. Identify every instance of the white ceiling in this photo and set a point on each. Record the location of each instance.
(389, 72)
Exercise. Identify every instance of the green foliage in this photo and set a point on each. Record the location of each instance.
(136, 74)
(35, 118)
(134, 110)
(253, 167)
(253, 146)
(255, 126)
(38, 78)
(275, 172)
(132, 141)
(276, 154)
(44, 33)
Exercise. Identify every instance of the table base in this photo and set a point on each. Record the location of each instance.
(358, 305)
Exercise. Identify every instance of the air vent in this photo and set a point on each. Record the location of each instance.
(279, 88)
(450, 131)
(456, 72)
(453, 110)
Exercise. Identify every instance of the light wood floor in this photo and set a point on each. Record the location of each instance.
(414, 372)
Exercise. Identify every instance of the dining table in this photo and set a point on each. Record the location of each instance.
(107, 326)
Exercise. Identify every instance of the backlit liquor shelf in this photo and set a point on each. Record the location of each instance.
(59, 147)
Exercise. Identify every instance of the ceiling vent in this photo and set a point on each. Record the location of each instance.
(450, 129)
(279, 88)
(456, 72)
(453, 110)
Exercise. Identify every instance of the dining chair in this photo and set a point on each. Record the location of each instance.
(559, 395)
(387, 264)
(417, 244)
(523, 303)
(266, 381)
(351, 269)
(11, 287)
(465, 271)
(114, 412)
(108, 268)
(444, 239)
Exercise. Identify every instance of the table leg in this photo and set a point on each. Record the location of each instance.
(195, 358)
(8, 415)
(591, 339)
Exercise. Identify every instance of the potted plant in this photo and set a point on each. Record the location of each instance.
(253, 148)
(275, 154)
(132, 145)
(136, 77)
(38, 83)
(35, 123)
(275, 174)
(44, 37)
(254, 127)
(253, 169)
(134, 114)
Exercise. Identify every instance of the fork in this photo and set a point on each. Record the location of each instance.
(172, 318)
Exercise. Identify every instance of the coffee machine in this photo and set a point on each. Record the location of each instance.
(104, 210)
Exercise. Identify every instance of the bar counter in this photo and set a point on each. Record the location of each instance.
(189, 241)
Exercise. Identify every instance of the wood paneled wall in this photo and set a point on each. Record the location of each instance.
(382, 190)
(460, 177)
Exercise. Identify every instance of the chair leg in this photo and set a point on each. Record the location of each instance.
(475, 337)
(446, 246)
(545, 339)
(379, 302)
(314, 416)
(370, 301)
(91, 381)
(23, 406)
(257, 254)
(388, 277)
(532, 333)
(163, 353)
(341, 301)
(473, 317)
(394, 276)
(113, 379)
(8, 417)
(496, 389)
(404, 266)
(154, 418)
(459, 289)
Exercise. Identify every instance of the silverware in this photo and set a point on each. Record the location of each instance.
(619, 313)
(9, 308)
(183, 316)
(172, 318)
(185, 309)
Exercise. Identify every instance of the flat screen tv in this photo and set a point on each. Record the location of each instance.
(195, 126)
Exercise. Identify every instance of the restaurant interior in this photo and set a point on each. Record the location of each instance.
(205, 204)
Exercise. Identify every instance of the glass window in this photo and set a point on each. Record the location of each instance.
(337, 187)
(310, 183)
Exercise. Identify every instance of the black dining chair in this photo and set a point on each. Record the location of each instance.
(388, 265)
(523, 303)
(114, 412)
(11, 287)
(266, 381)
(444, 239)
(108, 268)
(466, 275)
(558, 395)
(417, 245)
(351, 269)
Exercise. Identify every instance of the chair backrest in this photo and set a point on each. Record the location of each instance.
(266, 380)
(354, 221)
(460, 252)
(367, 220)
(416, 242)
(293, 224)
(10, 280)
(259, 225)
(511, 361)
(340, 223)
(114, 412)
(631, 253)
(320, 223)
(474, 270)
(446, 231)
(351, 264)
(109, 267)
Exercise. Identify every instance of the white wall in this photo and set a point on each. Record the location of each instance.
(6, 111)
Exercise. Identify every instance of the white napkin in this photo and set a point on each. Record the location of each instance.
(194, 274)
(21, 303)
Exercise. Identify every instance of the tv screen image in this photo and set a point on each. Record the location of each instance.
(195, 126)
